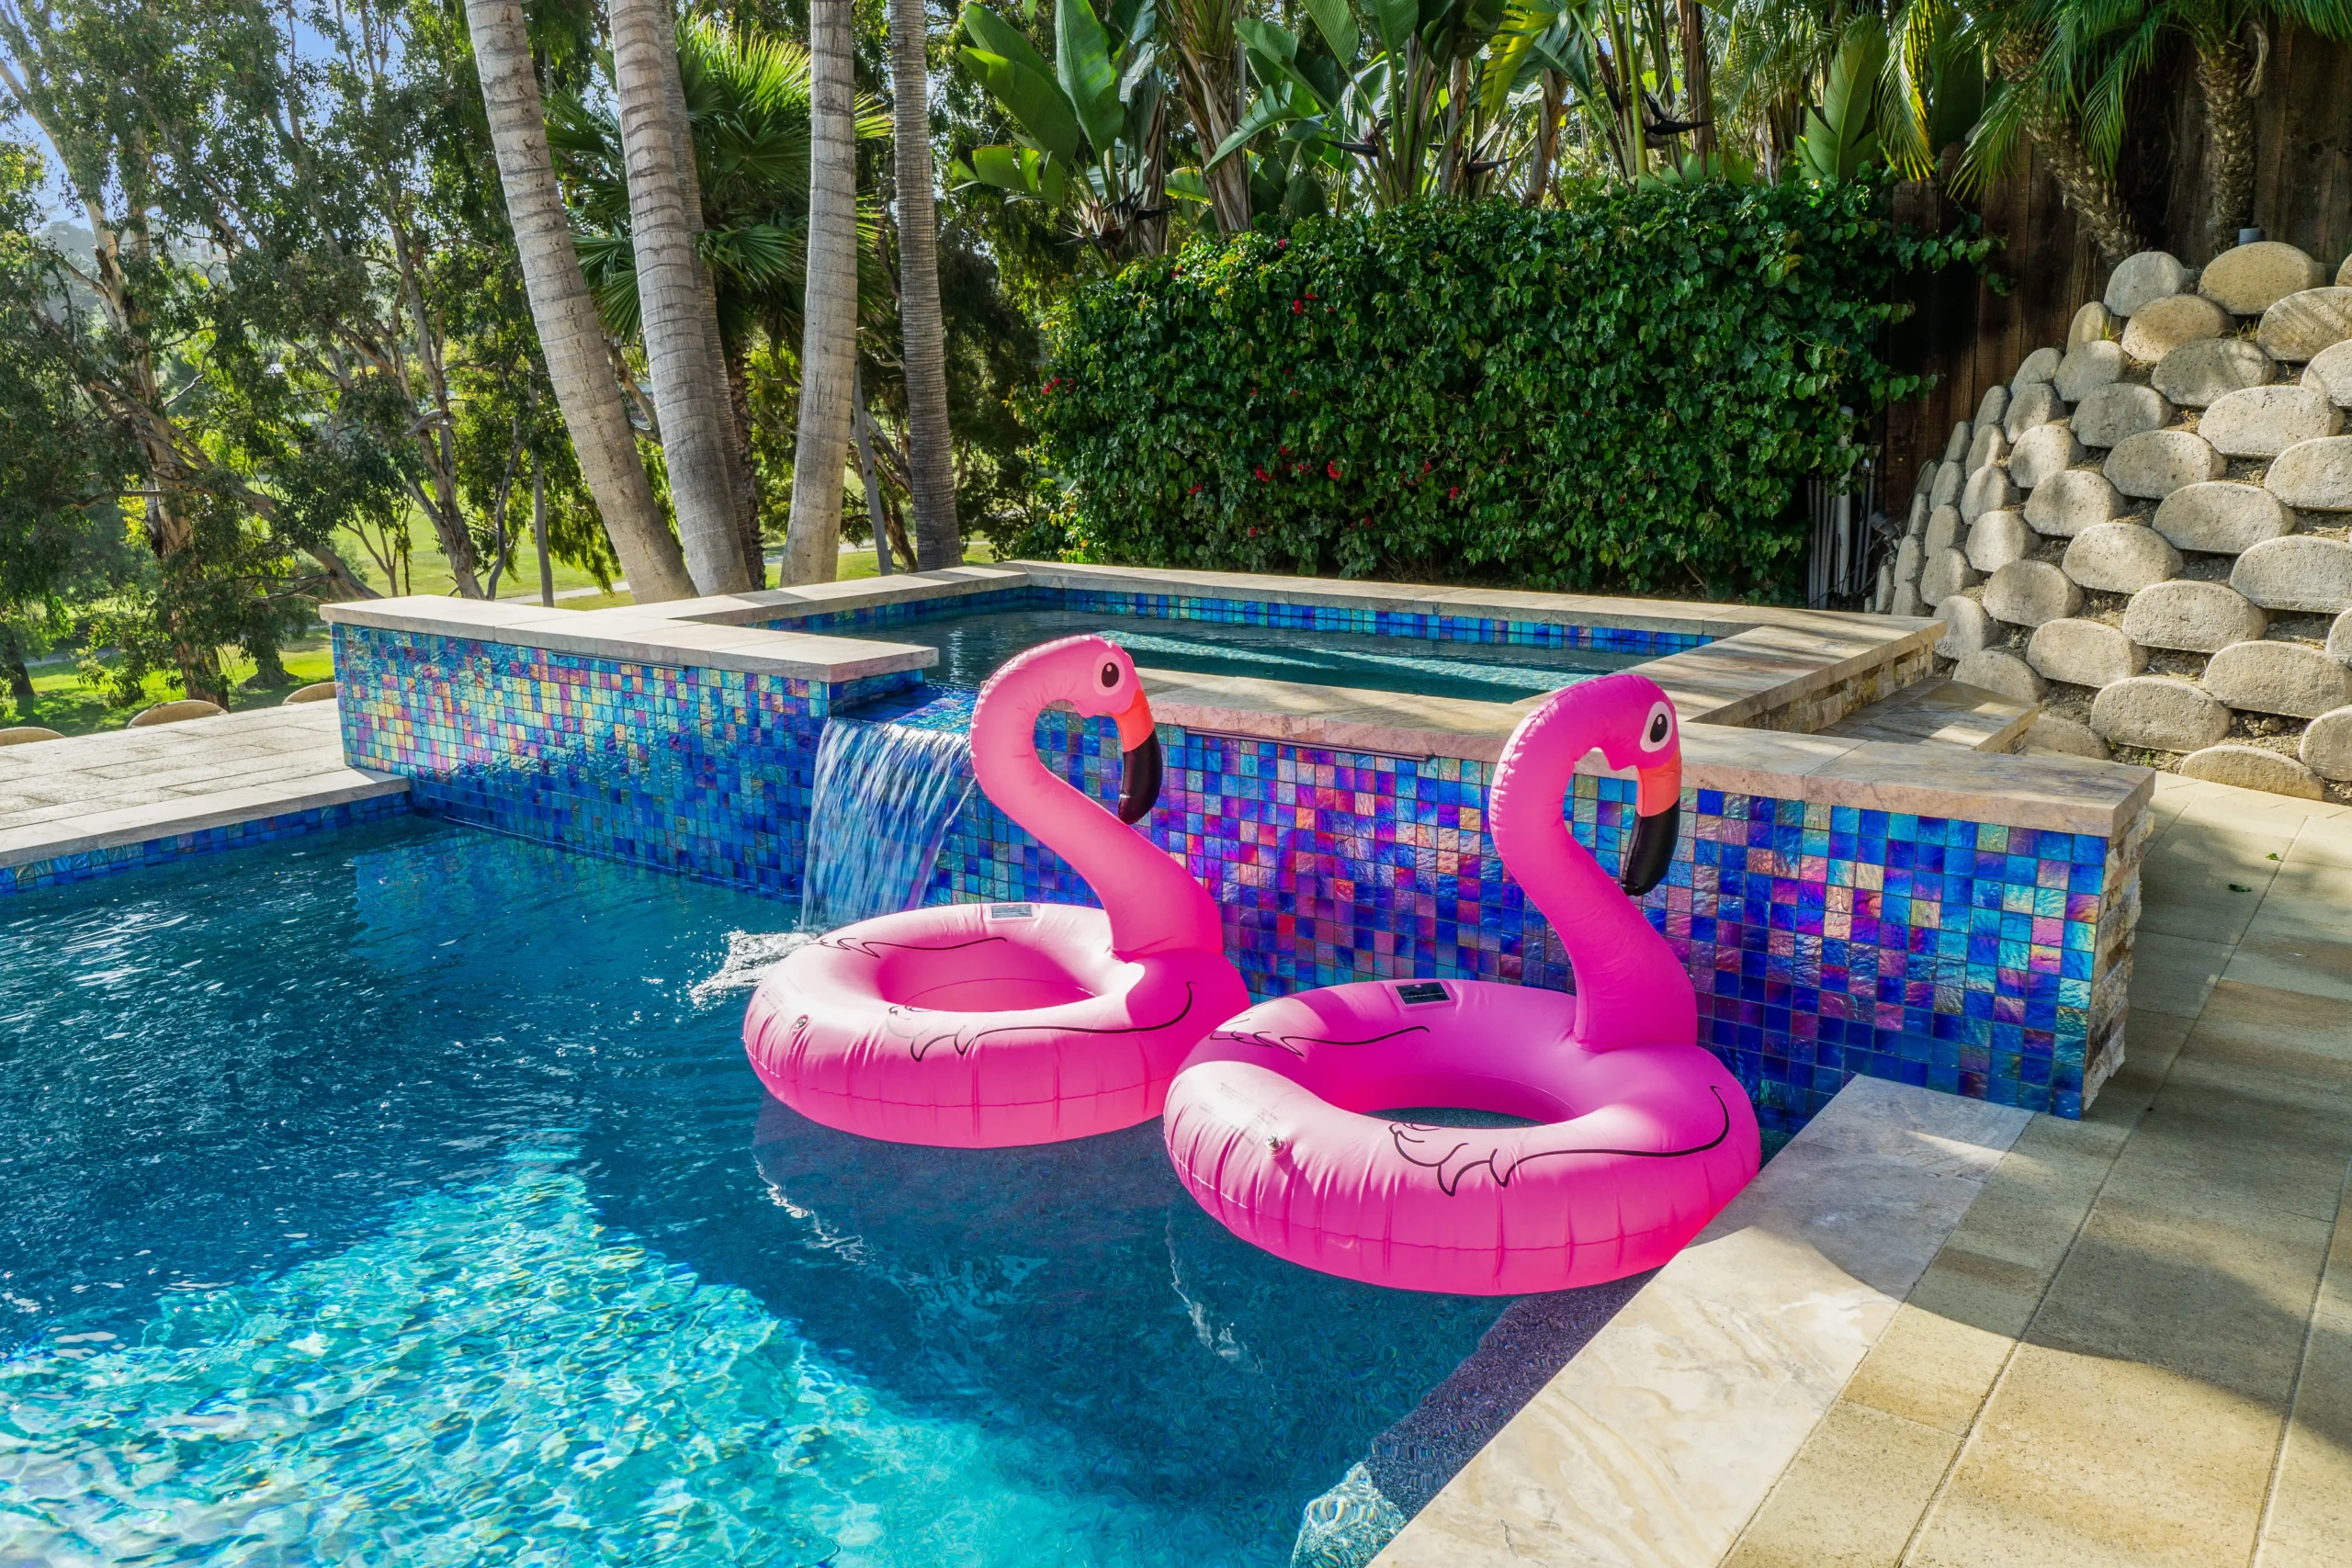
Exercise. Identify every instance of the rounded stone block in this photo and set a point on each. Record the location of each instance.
(2064, 504)
(1986, 489)
(2093, 323)
(2278, 677)
(1991, 407)
(2084, 653)
(2039, 365)
(2086, 367)
(1944, 530)
(2035, 404)
(2192, 618)
(2158, 714)
(2249, 279)
(2221, 518)
(2327, 746)
(2340, 638)
(2117, 410)
(1909, 556)
(1946, 573)
(1967, 629)
(2139, 281)
(2299, 572)
(2040, 452)
(2155, 463)
(1998, 538)
(2302, 326)
(26, 734)
(2028, 592)
(2330, 371)
(174, 713)
(2120, 557)
(2166, 324)
(1948, 479)
(2196, 373)
(2344, 273)
(1918, 522)
(2253, 767)
(1882, 597)
(2316, 474)
(2263, 422)
(2066, 737)
(2003, 674)
(1957, 448)
(1906, 600)
(1989, 445)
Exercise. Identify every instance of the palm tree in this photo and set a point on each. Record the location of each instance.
(938, 540)
(829, 341)
(665, 216)
(562, 307)
(2093, 52)
(1208, 74)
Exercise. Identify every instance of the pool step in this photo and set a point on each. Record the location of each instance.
(1942, 713)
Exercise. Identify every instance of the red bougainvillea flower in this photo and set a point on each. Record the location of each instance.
(1253, 532)
(1263, 479)
(1296, 306)
(1333, 467)
(1454, 491)
(1195, 490)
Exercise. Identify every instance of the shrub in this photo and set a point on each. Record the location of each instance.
(1623, 393)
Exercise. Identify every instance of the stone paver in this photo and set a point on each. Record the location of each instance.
(2136, 1347)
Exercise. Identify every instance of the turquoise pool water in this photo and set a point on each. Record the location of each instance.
(385, 1198)
(971, 646)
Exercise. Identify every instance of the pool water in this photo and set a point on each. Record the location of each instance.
(385, 1197)
(971, 646)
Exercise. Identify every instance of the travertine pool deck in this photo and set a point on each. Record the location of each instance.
(129, 786)
(2134, 1347)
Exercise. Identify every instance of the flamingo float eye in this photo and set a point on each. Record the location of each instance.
(1659, 729)
(1110, 676)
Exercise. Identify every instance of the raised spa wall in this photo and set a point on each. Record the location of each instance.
(1925, 913)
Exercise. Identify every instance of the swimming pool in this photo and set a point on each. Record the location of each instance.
(385, 1197)
(971, 646)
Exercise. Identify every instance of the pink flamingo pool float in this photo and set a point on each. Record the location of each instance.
(985, 1025)
(1642, 1135)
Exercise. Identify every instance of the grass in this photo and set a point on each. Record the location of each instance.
(61, 702)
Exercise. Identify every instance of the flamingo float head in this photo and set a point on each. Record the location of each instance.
(1638, 730)
(1095, 676)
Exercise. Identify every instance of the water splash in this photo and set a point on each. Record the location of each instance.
(885, 795)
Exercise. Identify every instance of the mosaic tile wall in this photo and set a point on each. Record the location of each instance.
(703, 771)
(94, 863)
(873, 619)
(1823, 941)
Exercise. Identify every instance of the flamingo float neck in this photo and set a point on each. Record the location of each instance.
(1154, 904)
(1631, 989)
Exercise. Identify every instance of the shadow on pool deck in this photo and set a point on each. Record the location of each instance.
(2137, 1347)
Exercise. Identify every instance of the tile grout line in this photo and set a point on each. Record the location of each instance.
(2311, 1318)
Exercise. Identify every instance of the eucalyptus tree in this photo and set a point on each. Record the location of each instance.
(571, 336)
(828, 336)
(923, 333)
(675, 303)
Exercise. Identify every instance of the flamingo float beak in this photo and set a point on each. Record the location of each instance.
(1657, 806)
(1139, 747)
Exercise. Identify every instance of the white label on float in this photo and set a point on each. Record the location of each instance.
(1012, 911)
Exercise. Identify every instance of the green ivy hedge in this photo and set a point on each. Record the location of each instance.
(1623, 393)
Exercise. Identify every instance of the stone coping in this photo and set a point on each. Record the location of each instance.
(151, 821)
(2065, 794)
(1659, 1440)
(631, 635)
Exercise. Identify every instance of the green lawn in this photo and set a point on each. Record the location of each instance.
(63, 703)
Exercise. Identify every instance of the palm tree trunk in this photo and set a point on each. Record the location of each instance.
(1547, 140)
(2223, 73)
(829, 341)
(665, 216)
(2089, 191)
(1698, 90)
(938, 539)
(563, 310)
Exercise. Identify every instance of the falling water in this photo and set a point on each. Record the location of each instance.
(885, 795)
